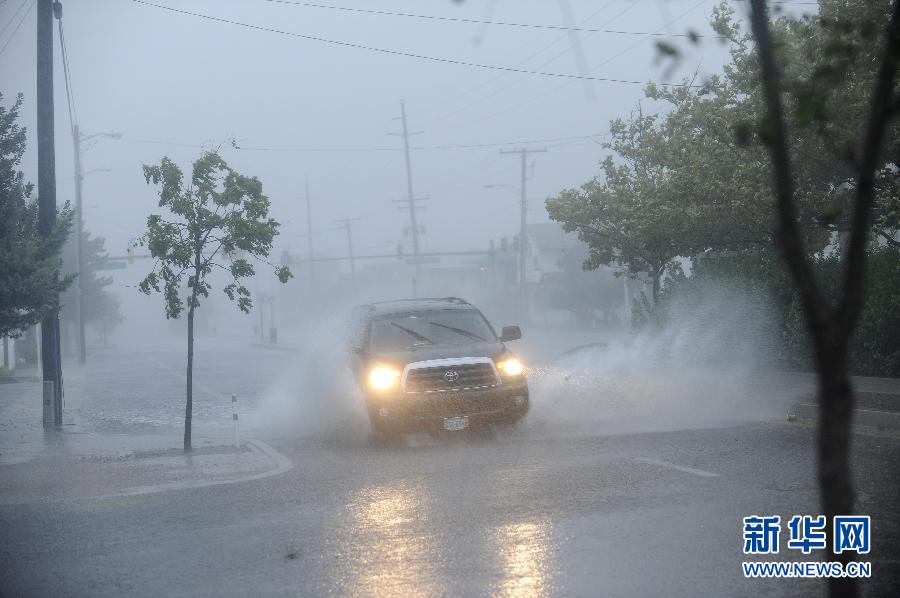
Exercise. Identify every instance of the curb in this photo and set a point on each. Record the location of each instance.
(275, 347)
(862, 417)
(281, 462)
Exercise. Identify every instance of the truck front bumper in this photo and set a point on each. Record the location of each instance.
(506, 403)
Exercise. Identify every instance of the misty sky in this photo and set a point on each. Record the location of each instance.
(174, 83)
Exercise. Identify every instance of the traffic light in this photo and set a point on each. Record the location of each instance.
(515, 243)
(504, 246)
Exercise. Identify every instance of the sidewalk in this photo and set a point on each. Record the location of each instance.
(38, 465)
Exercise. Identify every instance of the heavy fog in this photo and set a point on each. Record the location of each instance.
(635, 418)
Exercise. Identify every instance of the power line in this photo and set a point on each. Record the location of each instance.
(515, 82)
(67, 76)
(374, 148)
(480, 21)
(22, 20)
(508, 109)
(400, 53)
(13, 17)
(524, 61)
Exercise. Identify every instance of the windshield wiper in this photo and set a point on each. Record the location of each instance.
(413, 333)
(458, 331)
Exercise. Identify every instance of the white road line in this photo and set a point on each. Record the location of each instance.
(691, 470)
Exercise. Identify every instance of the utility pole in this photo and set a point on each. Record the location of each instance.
(523, 298)
(411, 197)
(77, 140)
(79, 256)
(346, 225)
(50, 351)
(309, 242)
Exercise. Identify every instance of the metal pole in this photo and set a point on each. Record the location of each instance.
(47, 191)
(309, 242)
(234, 418)
(79, 254)
(493, 262)
(262, 324)
(409, 189)
(346, 225)
(352, 261)
(523, 297)
(523, 300)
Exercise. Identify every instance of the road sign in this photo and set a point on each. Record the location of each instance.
(114, 265)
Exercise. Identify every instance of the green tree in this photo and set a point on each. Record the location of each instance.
(30, 281)
(796, 146)
(627, 216)
(213, 222)
(101, 307)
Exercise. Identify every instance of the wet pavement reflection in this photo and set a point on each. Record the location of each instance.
(392, 544)
(392, 548)
(524, 553)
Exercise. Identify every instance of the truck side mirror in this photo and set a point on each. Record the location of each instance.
(510, 333)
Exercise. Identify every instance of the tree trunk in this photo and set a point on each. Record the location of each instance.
(657, 283)
(835, 417)
(189, 405)
(831, 329)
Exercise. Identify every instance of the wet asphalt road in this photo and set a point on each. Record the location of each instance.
(505, 516)
(530, 512)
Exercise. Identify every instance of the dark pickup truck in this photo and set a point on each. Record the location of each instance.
(435, 365)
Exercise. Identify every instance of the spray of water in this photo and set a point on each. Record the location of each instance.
(707, 367)
(317, 397)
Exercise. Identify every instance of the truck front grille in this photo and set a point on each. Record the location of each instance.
(449, 378)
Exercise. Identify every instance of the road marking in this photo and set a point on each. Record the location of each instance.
(691, 470)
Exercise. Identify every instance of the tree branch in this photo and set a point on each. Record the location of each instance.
(882, 98)
(889, 239)
(786, 232)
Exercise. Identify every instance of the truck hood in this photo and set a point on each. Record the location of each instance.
(492, 349)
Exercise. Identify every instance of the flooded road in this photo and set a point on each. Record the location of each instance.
(529, 512)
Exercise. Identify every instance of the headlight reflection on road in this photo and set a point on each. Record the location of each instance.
(524, 554)
(393, 548)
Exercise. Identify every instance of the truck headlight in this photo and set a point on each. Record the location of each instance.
(511, 367)
(383, 378)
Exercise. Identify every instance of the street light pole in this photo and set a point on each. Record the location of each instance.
(79, 257)
(523, 300)
(77, 140)
(309, 243)
(346, 222)
(523, 297)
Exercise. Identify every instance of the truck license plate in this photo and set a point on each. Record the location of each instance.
(456, 423)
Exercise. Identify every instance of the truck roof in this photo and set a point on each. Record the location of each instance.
(398, 306)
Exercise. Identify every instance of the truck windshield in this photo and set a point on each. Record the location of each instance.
(419, 329)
